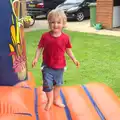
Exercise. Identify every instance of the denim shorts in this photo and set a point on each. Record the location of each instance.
(51, 77)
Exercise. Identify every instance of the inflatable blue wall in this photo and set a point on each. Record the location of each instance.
(12, 44)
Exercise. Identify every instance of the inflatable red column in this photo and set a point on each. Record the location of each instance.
(13, 67)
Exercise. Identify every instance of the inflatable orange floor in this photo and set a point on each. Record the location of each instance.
(93, 101)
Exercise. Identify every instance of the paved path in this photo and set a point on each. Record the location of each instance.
(83, 26)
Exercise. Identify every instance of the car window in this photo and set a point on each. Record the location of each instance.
(73, 1)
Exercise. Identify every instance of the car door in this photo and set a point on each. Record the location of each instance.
(52, 4)
(86, 9)
(58, 1)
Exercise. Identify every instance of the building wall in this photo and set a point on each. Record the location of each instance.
(104, 13)
(116, 13)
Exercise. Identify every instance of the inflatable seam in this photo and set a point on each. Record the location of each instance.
(66, 107)
(93, 103)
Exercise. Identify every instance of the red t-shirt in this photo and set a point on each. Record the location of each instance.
(54, 49)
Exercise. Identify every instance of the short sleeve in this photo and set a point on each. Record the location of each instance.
(68, 43)
(41, 42)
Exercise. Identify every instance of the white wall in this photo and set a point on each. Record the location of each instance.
(116, 16)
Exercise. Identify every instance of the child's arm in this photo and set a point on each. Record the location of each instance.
(37, 55)
(71, 55)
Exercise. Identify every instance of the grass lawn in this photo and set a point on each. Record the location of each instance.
(99, 56)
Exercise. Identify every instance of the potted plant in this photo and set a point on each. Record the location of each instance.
(27, 21)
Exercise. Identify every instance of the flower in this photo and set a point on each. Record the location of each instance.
(19, 63)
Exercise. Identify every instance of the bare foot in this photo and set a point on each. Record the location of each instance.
(59, 104)
(47, 107)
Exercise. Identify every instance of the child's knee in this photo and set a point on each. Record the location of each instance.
(47, 88)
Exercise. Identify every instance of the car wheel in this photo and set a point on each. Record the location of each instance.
(80, 16)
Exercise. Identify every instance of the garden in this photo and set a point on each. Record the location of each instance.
(99, 57)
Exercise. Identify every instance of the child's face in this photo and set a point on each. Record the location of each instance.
(56, 25)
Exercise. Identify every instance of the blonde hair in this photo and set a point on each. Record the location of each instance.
(56, 13)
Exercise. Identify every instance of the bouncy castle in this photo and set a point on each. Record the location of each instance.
(19, 97)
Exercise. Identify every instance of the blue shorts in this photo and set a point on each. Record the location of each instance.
(51, 77)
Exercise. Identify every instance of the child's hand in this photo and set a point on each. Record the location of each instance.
(34, 62)
(76, 62)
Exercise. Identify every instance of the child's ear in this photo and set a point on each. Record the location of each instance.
(65, 25)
